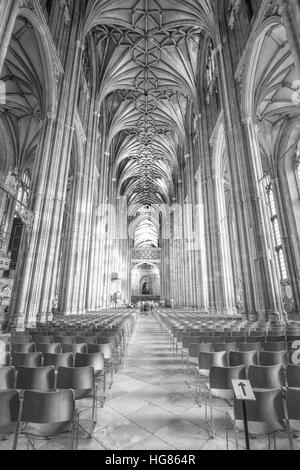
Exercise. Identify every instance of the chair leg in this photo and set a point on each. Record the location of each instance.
(236, 436)
(226, 430)
(104, 381)
(111, 376)
(212, 423)
(16, 438)
(94, 417)
(290, 435)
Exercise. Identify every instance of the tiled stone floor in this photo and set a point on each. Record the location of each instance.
(151, 407)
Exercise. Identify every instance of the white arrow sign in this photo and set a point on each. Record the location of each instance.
(243, 390)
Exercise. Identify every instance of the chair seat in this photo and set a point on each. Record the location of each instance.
(193, 360)
(224, 394)
(46, 430)
(203, 372)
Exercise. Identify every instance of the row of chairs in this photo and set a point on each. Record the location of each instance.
(55, 367)
(201, 354)
(260, 355)
(181, 321)
(183, 341)
(275, 409)
(39, 415)
(84, 381)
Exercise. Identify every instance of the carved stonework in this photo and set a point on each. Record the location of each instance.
(11, 186)
(146, 254)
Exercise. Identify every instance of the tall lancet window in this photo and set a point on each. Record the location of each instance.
(297, 162)
(277, 242)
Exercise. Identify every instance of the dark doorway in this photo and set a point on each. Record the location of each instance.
(145, 289)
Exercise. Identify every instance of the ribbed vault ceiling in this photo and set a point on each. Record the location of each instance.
(148, 52)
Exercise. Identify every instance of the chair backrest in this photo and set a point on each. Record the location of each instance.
(54, 348)
(5, 359)
(9, 410)
(268, 408)
(225, 347)
(36, 378)
(186, 340)
(48, 407)
(211, 339)
(106, 349)
(272, 358)
(293, 403)
(250, 347)
(277, 332)
(208, 359)
(246, 358)
(196, 348)
(96, 360)
(43, 339)
(7, 377)
(27, 360)
(293, 336)
(113, 340)
(274, 346)
(64, 339)
(238, 334)
(4, 347)
(236, 339)
(75, 348)
(220, 377)
(256, 339)
(271, 377)
(23, 347)
(21, 338)
(293, 375)
(79, 379)
(197, 338)
(59, 360)
(275, 338)
(86, 339)
(258, 333)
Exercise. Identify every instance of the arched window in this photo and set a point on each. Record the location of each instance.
(277, 242)
(297, 164)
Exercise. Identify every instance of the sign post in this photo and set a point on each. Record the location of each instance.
(243, 392)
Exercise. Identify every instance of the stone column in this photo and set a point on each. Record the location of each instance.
(51, 173)
(23, 289)
(268, 295)
(9, 10)
(290, 13)
(225, 261)
(56, 194)
(288, 242)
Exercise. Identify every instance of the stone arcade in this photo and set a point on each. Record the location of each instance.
(149, 151)
(150, 124)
